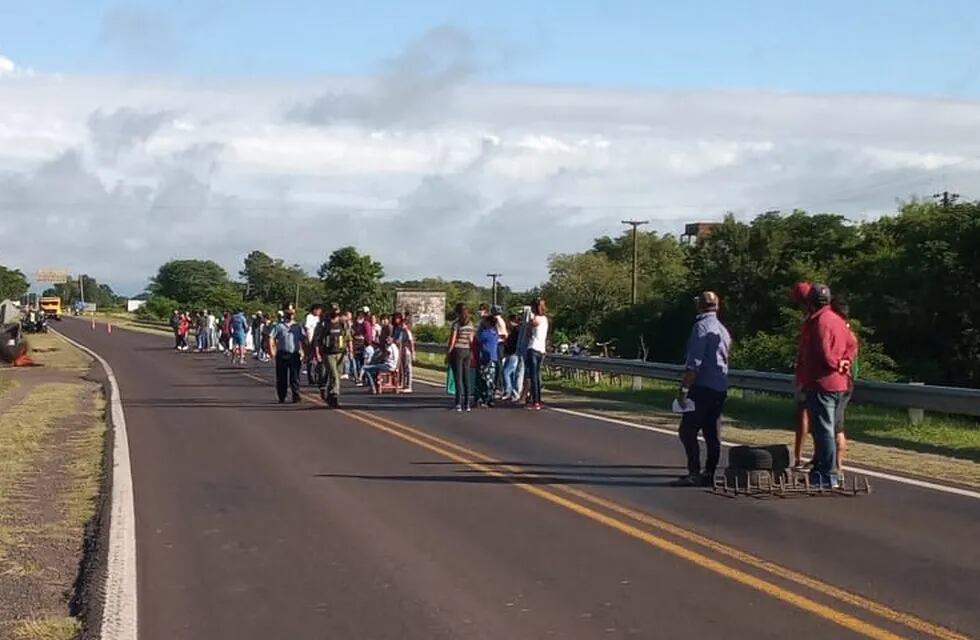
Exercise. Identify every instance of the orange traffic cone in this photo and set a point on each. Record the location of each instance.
(108, 327)
(93, 323)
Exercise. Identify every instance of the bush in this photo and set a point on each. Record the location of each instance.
(157, 308)
(431, 333)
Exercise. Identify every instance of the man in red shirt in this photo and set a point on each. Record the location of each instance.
(828, 352)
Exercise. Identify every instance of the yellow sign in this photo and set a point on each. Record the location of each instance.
(56, 276)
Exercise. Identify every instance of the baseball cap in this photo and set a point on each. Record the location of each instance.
(820, 295)
(707, 300)
(496, 310)
(800, 291)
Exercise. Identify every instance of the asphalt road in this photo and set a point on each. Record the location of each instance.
(394, 518)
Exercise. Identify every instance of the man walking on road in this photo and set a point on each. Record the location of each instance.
(705, 383)
(827, 360)
(286, 347)
(334, 338)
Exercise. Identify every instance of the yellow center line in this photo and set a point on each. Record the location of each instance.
(853, 599)
(472, 459)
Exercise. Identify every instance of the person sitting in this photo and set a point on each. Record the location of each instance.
(367, 357)
(389, 363)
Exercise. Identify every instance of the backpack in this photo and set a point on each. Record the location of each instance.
(333, 336)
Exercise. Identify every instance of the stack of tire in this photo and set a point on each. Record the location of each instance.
(757, 466)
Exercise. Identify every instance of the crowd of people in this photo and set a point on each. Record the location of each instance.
(491, 357)
(333, 345)
(826, 365)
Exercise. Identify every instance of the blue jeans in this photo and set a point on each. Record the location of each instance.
(512, 383)
(822, 407)
(533, 363)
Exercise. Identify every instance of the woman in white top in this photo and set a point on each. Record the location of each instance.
(536, 349)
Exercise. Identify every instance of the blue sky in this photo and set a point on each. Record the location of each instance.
(908, 47)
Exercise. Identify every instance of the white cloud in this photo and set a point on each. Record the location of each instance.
(116, 175)
(7, 66)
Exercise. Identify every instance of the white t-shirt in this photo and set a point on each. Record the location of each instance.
(310, 325)
(392, 360)
(539, 334)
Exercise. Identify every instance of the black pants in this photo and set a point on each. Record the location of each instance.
(287, 374)
(706, 418)
(461, 361)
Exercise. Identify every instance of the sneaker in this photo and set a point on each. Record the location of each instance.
(468, 408)
(459, 409)
(407, 390)
(690, 480)
(345, 377)
(333, 401)
(537, 406)
(707, 479)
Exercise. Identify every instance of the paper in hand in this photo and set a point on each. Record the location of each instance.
(687, 407)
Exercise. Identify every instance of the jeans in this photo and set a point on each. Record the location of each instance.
(822, 407)
(513, 379)
(706, 418)
(371, 371)
(534, 360)
(287, 374)
(460, 361)
(407, 356)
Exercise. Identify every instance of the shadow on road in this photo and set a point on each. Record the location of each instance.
(466, 476)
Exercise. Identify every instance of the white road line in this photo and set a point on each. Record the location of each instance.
(119, 620)
(924, 484)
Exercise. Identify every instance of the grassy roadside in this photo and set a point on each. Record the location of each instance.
(51, 444)
(941, 448)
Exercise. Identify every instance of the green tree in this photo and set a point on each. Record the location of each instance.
(196, 283)
(13, 284)
(582, 289)
(352, 280)
(272, 281)
(661, 267)
(915, 281)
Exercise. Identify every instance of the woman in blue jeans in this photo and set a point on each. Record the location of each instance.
(536, 348)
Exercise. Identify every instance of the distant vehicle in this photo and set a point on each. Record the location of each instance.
(51, 305)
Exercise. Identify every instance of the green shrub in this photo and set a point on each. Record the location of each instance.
(431, 333)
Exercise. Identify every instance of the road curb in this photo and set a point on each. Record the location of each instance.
(119, 610)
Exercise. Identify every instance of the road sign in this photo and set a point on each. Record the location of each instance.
(55, 276)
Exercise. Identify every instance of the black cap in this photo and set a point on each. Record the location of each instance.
(820, 295)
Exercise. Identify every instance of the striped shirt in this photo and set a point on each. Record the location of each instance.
(464, 334)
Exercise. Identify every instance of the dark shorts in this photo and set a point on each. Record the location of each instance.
(238, 339)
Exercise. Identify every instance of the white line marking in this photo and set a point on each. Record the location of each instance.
(924, 484)
(119, 620)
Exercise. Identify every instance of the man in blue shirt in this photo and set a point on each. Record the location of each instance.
(286, 342)
(705, 383)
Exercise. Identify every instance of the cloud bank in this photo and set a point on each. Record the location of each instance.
(429, 170)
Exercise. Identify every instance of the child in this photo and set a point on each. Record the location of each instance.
(488, 341)
(389, 362)
(367, 356)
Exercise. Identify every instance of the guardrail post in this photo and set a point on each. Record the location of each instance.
(916, 415)
(637, 383)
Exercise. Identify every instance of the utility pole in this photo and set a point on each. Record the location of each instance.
(636, 253)
(946, 198)
(296, 306)
(494, 276)
(81, 289)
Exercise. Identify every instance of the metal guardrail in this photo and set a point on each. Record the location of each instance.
(953, 400)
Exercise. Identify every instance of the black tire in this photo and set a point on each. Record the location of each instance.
(749, 458)
(780, 456)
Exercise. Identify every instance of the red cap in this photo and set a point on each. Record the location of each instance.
(800, 292)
